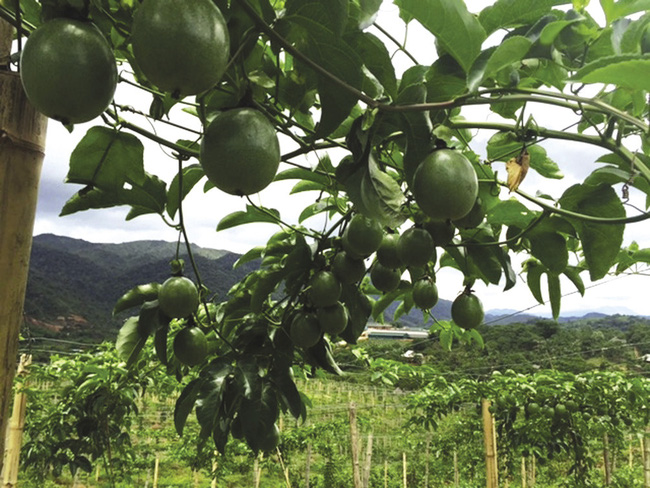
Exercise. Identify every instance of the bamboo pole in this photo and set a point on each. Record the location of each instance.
(22, 147)
(491, 467)
(368, 463)
(354, 443)
(285, 470)
(607, 466)
(646, 458)
(456, 471)
(385, 473)
(15, 431)
(523, 472)
(215, 465)
(404, 472)
(257, 470)
(308, 466)
(156, 471)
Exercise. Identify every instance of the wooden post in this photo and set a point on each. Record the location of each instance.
(630, 453)
(15, 431)
(285, 470)
(215, 465)
(308, 466)
(456, 472)
(426, 462)
(22, 146)
(491, 467)
(404, 468)
(354, 446)
(156, 471)
(606, 461)
(368, 463)
(646, 458)
(257, 470)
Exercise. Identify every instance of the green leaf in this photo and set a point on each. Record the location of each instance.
(511, 212)
(320, 206)
(136, 297)
(382, 196)
(514, 13)
(209, 398)
(330, 51)
(263, 287)
(553, 29)
(551, 249)
(288, 391)
(191, 176)
(129, 341)
(446, 339)
(369, 11)
(250, 255)
(107, 159)
(148, 197)
(445, 80)
(330, 14)
(510, 51)
(545, 166)
(185, 404)
(573, 274)
(252, 214)
(359, 309)
(455, 28)
(600, 243)
(303, 174)
(630, 71)
(622, 8)
(533, 278)
(641, 256)
(554, 293)
(378, 61)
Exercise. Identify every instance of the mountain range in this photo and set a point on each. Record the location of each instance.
(74, 284)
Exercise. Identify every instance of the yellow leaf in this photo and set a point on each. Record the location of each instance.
(517, 169)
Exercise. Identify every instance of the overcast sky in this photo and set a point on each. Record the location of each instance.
(623, 294)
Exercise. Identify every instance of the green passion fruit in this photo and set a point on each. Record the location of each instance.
(388, 254)
(178, 297)
(240, 152)
(305, 330)
(333, 319)
(383, 278)
(347, 269)
(324, 289)
(415, 247)
(362, 236)
(445, 185)
(467, 310)
(68, 70)
(181, 47)
(425, 294)
(190, 346)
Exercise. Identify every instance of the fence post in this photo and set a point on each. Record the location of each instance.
(354, 446)
(491, 467)
(646, 458)
(368, 462)
(156, 471)
(404, 468)
(15, 429)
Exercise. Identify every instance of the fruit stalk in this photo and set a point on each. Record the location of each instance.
(22, 146)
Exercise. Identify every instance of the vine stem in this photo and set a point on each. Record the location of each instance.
(605, 143)
(181, 223)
